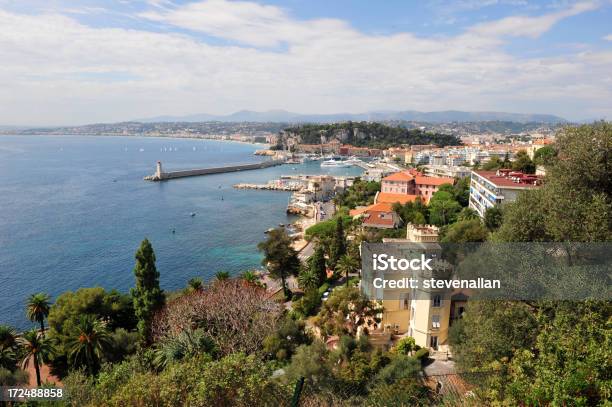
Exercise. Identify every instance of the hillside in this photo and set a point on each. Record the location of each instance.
(366, 134)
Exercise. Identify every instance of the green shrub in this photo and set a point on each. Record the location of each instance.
(422, 354)
(324, 287)
(405, 345)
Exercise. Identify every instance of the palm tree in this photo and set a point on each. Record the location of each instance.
(222, 275)
(8, 359)
(346, 265)
(308, 279)
(195, 284)
(37, 309)
(91, 340)
(36, 348)
(8, 336)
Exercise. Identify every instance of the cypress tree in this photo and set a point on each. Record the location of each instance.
(147, 296)
(339, 245)
(317, 264)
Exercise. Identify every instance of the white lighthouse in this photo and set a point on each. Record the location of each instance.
(158, 171)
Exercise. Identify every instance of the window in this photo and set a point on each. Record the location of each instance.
(437, 300)
(435, 321)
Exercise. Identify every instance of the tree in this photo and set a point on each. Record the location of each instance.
(37, 309)
(443, 208)
(467, 214)
(493, 218)
(148, 297)
(280, 257)
(316, 264)
(544, 156)
(347, 265)
(339, 243)
(250, 277)
(222, 275)
(523, 163)
(465, 231)
(308, 280)
(195, 284)
(8, 336)
(90, 340)
(36, 349)
(493, 164)
(236, 316)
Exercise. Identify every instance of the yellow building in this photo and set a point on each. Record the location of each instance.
(424, 314)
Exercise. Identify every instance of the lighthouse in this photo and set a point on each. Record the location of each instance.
(158, 171)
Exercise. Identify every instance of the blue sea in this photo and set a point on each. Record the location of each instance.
(74, 209)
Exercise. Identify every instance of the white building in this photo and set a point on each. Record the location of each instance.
(491, 188)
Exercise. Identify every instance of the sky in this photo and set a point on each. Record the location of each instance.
(75, 62)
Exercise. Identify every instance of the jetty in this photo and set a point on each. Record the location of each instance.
(271, 186)
(160, 175)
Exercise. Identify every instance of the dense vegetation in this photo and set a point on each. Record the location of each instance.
(550, 353)
(369, 134)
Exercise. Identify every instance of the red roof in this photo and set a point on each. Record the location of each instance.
(377, 207)
(379, 219)
(387, 197)
(434, 180)
(509, 178)
(399, 176)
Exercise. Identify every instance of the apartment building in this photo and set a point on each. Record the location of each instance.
(446, 171)
(491, 188)
(412, 182)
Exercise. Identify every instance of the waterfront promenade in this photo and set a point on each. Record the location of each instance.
(160, 175)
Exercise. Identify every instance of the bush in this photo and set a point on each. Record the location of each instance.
(401, 367)
(308, 304)
(422, 354)
(326, 228)
(405, 345)
(324, 287)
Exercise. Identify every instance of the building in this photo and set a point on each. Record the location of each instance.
(446, 171)
(349, 150)
(378, 215)
(491, 188)
(422, 313)
(412, 182)
(538, 144)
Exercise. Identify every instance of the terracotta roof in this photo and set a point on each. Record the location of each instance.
(377, 207)
(387, 197)
(379, 219)
(434, 180)
(399, 176)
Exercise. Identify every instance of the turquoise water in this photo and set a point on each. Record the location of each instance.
(73, 210)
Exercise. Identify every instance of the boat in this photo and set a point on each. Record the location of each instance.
(193, 214)
(335, 163)
(353, 160)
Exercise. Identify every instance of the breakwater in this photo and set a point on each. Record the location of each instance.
(160, 175)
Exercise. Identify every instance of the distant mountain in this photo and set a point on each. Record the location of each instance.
(408, 115)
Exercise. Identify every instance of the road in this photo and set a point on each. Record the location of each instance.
(325, 210)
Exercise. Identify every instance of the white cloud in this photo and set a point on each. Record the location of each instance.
(608, 37)
(56, 70)
(524, 26)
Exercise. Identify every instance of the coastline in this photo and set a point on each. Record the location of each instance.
(157, 136)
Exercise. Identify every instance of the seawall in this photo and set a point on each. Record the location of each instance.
(209, 171)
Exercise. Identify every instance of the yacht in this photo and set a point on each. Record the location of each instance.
(353, 160)
(335, 163)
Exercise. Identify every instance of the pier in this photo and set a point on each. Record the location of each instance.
(160, 175)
